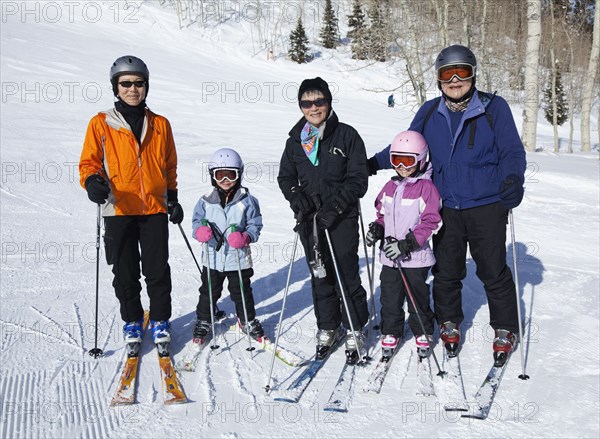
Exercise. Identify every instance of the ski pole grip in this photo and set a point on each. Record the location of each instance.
(233, 228)
(204, 222)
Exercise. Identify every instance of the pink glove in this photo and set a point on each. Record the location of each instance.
(238, 239)
(204, 233)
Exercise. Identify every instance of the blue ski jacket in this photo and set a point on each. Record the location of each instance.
(470, 165)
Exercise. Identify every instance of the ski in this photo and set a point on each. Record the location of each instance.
(171, 387)
(377, 377)
(125, 392)
(452, 384)
(484, 398)
(295, 390)
(282, 354)
(187, 363)
(424, 379)
(340, 396)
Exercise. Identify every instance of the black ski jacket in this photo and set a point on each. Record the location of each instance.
(342, 167)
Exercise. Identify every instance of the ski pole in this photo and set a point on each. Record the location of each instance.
(285, 293)
(246, 323)
(97, 352)
(523, 375)
(339, 279)
(372, 285)
(372, 298)
(440, 373)
(212, 313)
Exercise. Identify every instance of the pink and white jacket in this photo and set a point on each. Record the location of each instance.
(406, 204)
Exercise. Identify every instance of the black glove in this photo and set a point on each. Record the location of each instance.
(301, 203)
(97, 188)
(340, 202)
(174, 208)
(395, 249)
(373, 166)
(511, 191)
(326, 217)
(374, 234)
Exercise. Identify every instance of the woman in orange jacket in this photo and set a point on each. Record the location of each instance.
(129, 164)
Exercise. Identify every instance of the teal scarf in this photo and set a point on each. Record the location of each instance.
(309, 138)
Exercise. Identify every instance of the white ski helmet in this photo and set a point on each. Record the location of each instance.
(226, 158)
(411, 143)
(128, 65)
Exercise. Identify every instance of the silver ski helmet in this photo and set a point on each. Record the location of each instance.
(455, 54)
(226, 158)
(128, 65)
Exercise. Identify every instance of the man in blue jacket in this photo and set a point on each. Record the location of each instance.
(479, 166)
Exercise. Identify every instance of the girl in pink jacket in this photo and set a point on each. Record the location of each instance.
(407, 217)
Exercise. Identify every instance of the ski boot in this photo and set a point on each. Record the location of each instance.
(353, 351)
(389, 344)
(256, 330)
(450, 335)
(504, 343)
(200, 333)
(423, 343)
(325, 339)
(161, 336)
(132, 334)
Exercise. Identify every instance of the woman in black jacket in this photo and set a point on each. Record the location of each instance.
(323, 173)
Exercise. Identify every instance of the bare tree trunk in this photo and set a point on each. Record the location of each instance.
(588, 85)
(466, 28)
(553, 70)
(532, 61)
(411, 50)
(441, 12)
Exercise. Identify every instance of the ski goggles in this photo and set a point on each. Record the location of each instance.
(460, 71)
(306, 104)
(128, 84)
(222, 174)
(405, 160)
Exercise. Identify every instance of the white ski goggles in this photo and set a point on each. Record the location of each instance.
(222, 174)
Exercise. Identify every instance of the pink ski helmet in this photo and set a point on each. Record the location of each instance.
(409, 149)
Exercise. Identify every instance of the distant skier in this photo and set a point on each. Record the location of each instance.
(323, 173)
(228, 203)
(479, 169)
(407, 217)
(391, 101)
(129, 164)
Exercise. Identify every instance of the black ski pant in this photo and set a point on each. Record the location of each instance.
(129, 240)
(217, 279)
(483, 229)
(327, 298)
(393, 294)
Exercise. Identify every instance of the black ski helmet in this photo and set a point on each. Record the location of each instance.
(456, 54)
(128, 65)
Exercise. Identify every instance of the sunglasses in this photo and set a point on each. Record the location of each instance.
(222, 174)
(318, 102)
(461, 71)
(128, 84)
(405, 160)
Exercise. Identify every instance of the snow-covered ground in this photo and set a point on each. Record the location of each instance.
(55, 61)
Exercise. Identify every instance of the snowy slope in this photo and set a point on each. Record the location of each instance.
(55, 78)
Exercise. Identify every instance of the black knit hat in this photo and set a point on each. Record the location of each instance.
(316, 84)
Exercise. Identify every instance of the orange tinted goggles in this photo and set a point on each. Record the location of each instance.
(461, 71)
(406, 160)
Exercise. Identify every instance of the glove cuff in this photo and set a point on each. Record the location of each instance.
(171, 196)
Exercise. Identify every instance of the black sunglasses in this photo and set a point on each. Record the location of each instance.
(128, 84)
(318, 102)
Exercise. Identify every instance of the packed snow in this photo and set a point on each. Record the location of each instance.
(218, 90)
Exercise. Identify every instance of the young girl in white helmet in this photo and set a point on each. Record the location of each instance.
(407, 216)
(227, 204)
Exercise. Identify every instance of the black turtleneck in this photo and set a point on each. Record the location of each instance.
(134, 116)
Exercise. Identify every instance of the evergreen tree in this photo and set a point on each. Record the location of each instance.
(358, 32)
(378, 34)
(562, 107)
(299, 44)
(329, 33)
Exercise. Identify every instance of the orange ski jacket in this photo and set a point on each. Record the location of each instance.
(139, 175)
